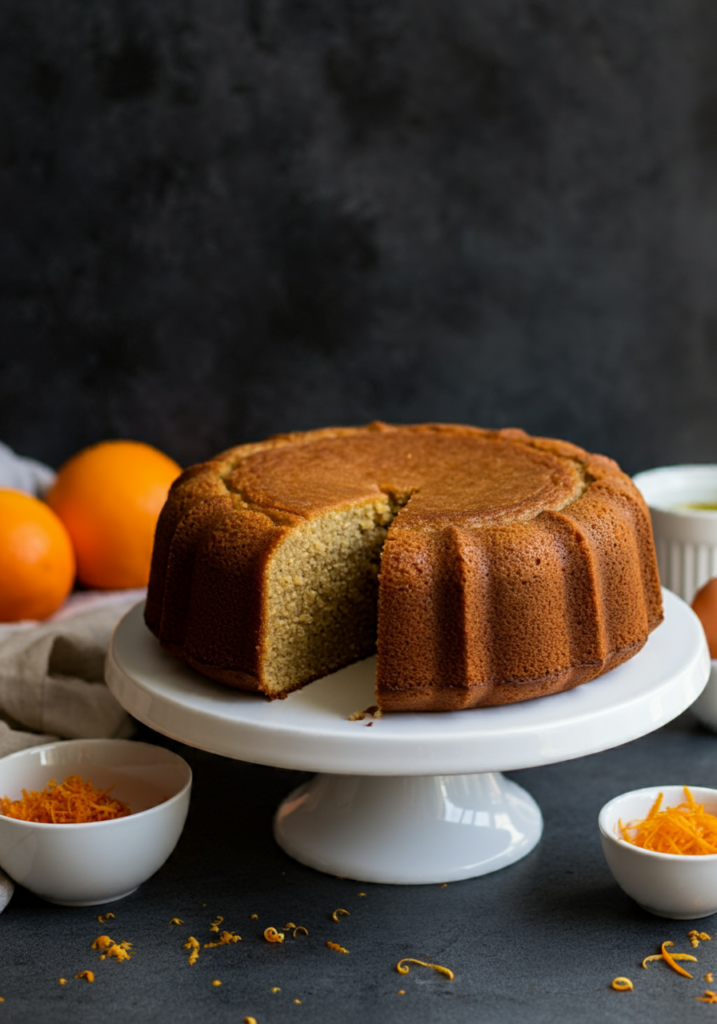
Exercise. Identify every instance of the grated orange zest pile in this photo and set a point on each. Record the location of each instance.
(71, 802)
(686, 829)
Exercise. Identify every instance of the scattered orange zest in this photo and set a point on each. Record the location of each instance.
(87, 975)
(675, 956)
(250, 1020)
(214, 926)
(622, 985)
(102, 918)
(671, 960)
(685, 829)
(72, 802)
(119, 950)
(337, 947)
(216, 982)
(709, 977)
(336, 913)
(224, 939)
(421, 963)
(708, 997)
(272, 935)
(176, 920)
(62, 981)
(192, 944)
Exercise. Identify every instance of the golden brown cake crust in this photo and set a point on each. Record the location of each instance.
(516, 566)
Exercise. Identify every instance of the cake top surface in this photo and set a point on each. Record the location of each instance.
(449, 472)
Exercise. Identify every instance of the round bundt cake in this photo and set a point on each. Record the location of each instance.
(487, 566)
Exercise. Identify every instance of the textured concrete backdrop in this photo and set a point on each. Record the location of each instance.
(233, 217)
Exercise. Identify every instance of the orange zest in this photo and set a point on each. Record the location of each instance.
(685, 829)
(192, 945)
(708, 997)
(336, 913)
(272, 935)
(72, 802)
(671, 959)
(622, 984)
(421, 963)
(336, 947)
(87, 975)
(109, 948)
(224, 940)
(675, 956)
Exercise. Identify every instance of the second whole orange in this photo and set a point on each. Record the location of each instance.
(109, 497)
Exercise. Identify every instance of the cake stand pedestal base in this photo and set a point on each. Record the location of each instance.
(408, 830)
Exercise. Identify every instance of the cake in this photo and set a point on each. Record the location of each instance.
(486, 567)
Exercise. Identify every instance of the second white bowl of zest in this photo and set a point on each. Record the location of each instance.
(678, 886)
(100, 861)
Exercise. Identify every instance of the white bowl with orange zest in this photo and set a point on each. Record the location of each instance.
(678, 885)
(136, 795)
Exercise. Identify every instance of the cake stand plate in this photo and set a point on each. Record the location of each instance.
(411, 797)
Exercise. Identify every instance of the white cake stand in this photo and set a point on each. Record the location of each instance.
(411, 797)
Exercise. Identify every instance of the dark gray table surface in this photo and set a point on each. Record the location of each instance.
(542, 939)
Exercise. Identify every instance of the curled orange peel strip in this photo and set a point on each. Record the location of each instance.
(272, 935)
(336, 913)
(675, 956)
(670, 958)
(622, 985)
(300, 928)
(421, 963)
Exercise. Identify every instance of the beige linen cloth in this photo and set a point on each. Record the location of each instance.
(52, 674)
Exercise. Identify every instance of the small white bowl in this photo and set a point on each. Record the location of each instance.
(97, 862)
(678, 886)
(685, 538)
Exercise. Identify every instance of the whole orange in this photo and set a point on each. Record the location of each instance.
(109, 497)
(37, 563)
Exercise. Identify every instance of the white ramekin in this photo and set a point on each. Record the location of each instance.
(682, 887)
(82, 865)
(685, 538)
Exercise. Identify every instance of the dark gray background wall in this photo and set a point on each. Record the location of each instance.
(228, 218)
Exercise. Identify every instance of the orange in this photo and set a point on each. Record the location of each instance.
(37, 563)
(704, 604)
(109, 497)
